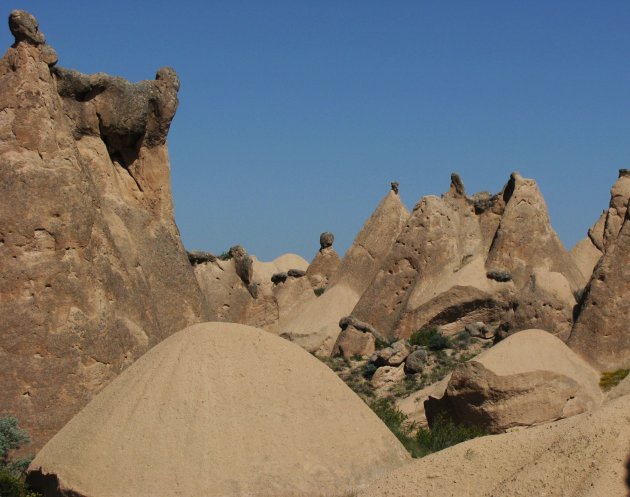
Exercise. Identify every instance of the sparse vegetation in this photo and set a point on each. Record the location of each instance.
(12, 482)
(421, 442)
(445, 433)
(225, 256)
(396, 421)
(319, 291)
(611, 379)
(431, 338)
(380, 344)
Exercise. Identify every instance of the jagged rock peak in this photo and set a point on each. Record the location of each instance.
(457, 185)
(24, 27)
(395, 185)
(326, 240)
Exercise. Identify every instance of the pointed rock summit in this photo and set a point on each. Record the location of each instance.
(325, 263)
(206, 412)
(460, 260)
(601, 333)
(315, 325)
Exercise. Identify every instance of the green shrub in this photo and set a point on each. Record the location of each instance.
(380, 344)
(396, 420)
(611, 379)
(318, 291)
(368, 370)
(12, 470)
(431, 338)
(225, 256)
(12, 437)
(12, 485)
(445, 433)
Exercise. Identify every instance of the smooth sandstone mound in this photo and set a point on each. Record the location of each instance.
(584, 456)
(221, 409)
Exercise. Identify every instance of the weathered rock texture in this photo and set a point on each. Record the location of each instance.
(221, 410)
(325, 262)
(601, 332)
(440, 269)
(92, 270)
(315, 325)
(530, 378)
(259, 296)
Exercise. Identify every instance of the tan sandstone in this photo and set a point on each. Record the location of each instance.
(92, 269)
(221, 409)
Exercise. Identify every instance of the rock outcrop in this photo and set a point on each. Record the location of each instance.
(460, 260)
(260, 295)
(530, 378)
(325, 263)
(600, 332)
(92, 270)
(220, 410)
(585, 455)
(315, 325)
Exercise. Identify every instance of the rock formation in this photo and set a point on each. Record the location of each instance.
(585, 455)
(262, 292)
(325, 262)
(462, 259)
(601, 331)
(92, 270)
(315, 325)
(530, 378)
(220, 410)
(356, 339)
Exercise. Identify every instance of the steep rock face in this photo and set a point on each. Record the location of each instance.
(604, 232)
(601, 333)
(525, 239)
(92, 271)
(315, 325)
(461, 259)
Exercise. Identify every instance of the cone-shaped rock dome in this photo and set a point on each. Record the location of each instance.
(221, 409)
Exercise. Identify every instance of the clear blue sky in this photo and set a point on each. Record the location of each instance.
(294, 116)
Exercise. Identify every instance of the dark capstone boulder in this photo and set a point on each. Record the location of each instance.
(326, 239)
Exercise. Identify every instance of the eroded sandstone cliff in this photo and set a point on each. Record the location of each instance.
(92, 270)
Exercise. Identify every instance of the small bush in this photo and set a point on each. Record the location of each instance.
(12, 470)
(446, 433)
(318, 291)
(368, 370)
(225, 256)
(380, 344)
(396, 420)
(611, 379)
(431, 338)
(14, 486)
